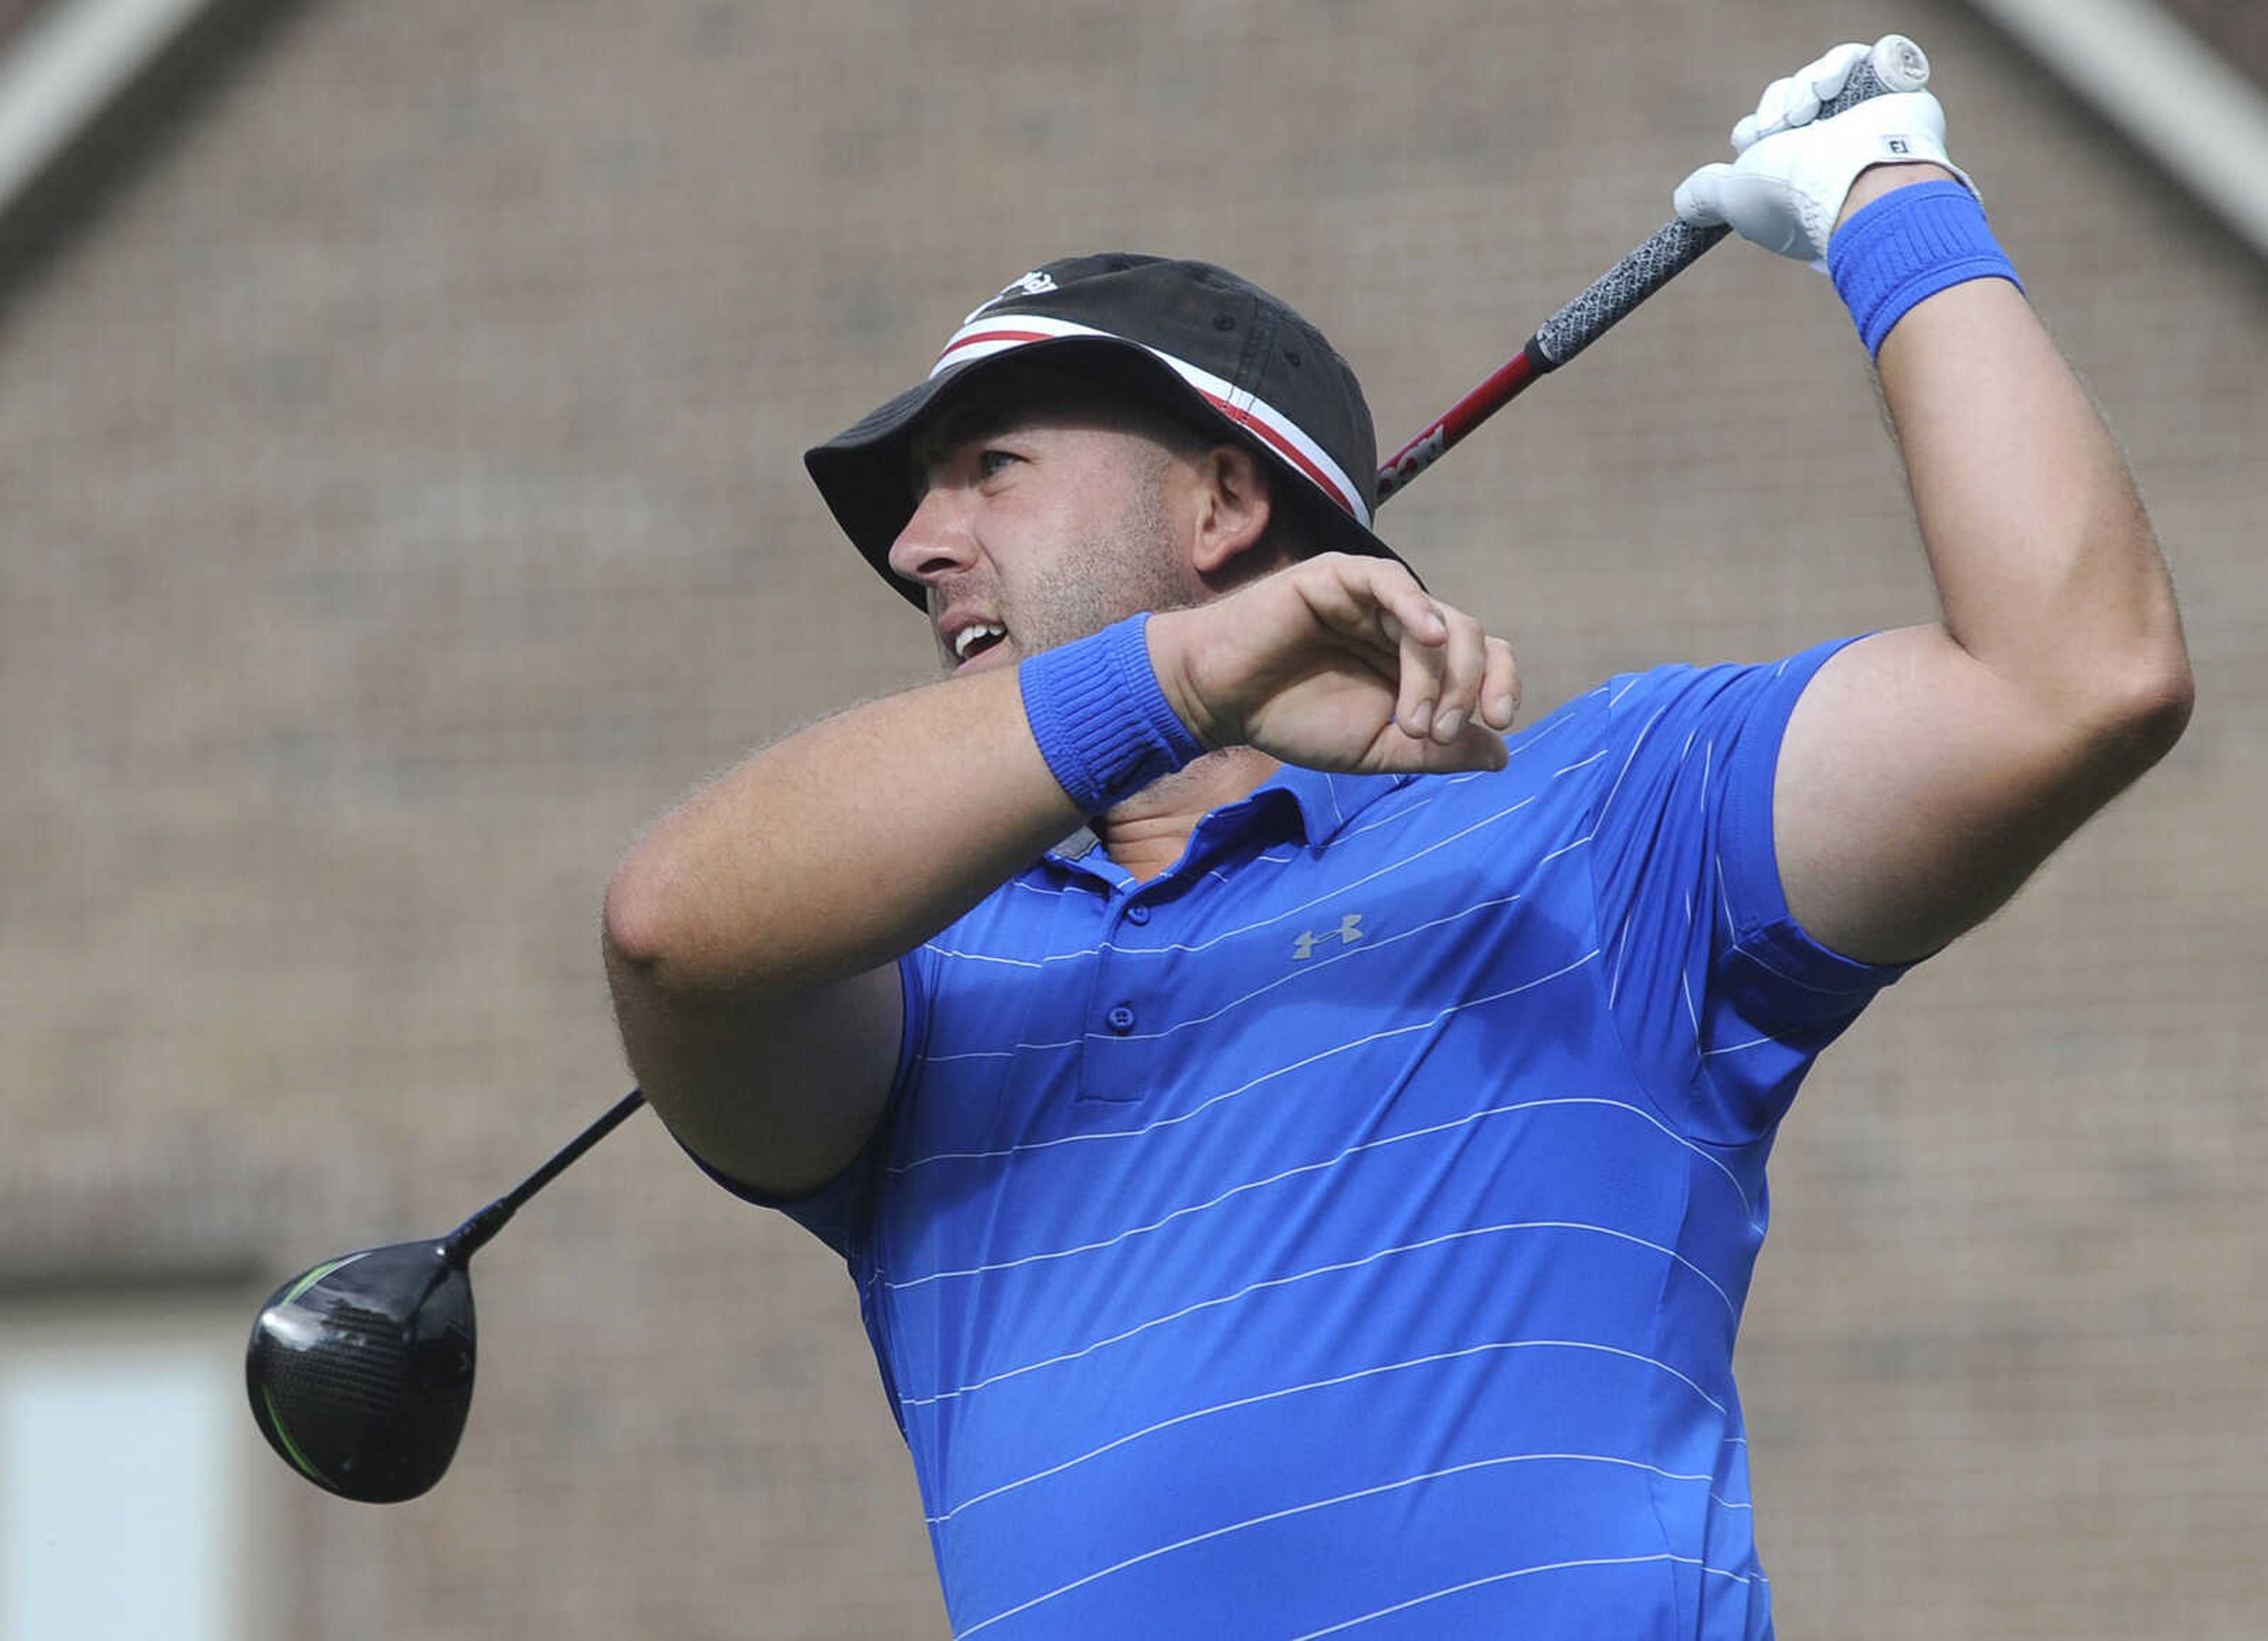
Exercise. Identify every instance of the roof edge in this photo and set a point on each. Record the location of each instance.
(73, 59)
(2171, 94)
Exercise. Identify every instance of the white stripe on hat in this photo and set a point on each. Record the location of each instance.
(998, 333)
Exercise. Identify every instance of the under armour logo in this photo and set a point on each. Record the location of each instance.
(1038, 281)
(1347, 933)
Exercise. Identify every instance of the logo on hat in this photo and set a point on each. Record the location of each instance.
(1038, 281)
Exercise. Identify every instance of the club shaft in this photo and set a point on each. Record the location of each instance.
(469, 1237)
(1611, 298)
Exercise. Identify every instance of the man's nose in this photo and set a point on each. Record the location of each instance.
(935, 541)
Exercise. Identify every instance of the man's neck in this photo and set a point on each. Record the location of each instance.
(1151, 831)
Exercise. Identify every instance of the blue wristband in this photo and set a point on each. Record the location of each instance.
(1907, 245)
(1102, 722)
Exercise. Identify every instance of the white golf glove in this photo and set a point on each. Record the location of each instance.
(1786, 189)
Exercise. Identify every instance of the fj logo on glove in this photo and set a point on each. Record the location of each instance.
(1347, 933)
(1899, 145)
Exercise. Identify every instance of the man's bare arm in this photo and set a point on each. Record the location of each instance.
(1926, 772)
(751, 937)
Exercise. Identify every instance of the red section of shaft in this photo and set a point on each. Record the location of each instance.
(1421, 452)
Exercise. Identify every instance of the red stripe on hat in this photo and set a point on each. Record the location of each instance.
(983, 336)
(1283, 448)
(1275, 440)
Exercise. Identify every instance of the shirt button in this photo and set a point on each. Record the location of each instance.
(1138, 913)
(1121, 1020)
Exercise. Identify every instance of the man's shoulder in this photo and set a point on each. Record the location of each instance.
(1569, 757)
(1625, 710)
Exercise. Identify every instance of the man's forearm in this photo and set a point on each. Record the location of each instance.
(842, 847)
(750, 934)
(2046, 569)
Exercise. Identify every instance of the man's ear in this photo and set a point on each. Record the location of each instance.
(1233, 505)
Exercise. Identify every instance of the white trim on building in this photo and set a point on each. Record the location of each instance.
(2173, 96)
(72, 60)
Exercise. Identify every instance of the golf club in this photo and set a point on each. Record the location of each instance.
(360, 1370)
(1895, 65)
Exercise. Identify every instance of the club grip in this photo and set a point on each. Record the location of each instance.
(1895, 65)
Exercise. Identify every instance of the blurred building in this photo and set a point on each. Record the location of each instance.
(400, 505)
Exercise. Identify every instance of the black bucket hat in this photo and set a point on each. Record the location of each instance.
(1195, 341)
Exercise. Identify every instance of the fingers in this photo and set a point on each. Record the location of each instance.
(1412, 626)
(1796, 99)
(1771, 115)
(1500, 687)
(1455, 681)
(1429, 649)
(1462, 677)
(1831, 73)
(1421, 662)
(1432, 704)
(1454, 689)
(1476, 740)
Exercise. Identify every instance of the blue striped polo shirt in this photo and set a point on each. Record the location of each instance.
(1346, 1232)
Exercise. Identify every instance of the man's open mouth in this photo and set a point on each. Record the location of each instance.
(972, 641)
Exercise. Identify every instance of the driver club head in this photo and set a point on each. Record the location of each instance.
(360, 1370)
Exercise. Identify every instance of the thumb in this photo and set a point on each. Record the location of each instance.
(1699, 200)
(1764, 208)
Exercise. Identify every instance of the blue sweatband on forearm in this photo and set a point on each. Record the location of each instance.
(1102, 722)
(1907, 245)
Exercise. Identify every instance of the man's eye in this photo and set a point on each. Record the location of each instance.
(991, 461)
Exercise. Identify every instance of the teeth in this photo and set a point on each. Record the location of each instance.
(967, 638)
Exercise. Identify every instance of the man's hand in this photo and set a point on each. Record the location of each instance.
(1787, 189)
(1340, 662)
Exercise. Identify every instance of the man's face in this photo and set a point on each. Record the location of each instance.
(1036, 527)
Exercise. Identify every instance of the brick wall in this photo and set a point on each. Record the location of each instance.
(403, 506)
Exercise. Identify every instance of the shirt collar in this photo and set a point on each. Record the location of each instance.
(1326, 803)
(1309, 804)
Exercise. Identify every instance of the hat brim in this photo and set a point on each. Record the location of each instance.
(866, 472)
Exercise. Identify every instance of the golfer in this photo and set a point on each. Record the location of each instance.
(1299, 1146)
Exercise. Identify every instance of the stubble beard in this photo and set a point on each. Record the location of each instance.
(1132, 564)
